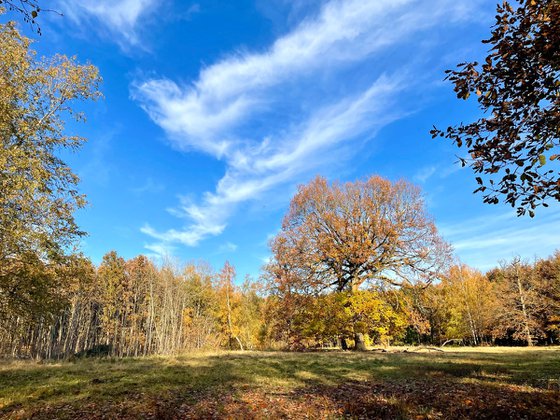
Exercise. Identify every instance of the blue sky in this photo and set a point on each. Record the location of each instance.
(215, 111)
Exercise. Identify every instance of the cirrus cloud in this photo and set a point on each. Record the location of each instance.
(121, 19)
(274, 117)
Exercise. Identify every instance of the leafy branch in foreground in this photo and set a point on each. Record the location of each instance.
(515, 145)
(28, 9)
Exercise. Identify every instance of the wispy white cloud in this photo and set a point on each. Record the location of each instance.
(160, 250)
(275, 116)
(253, 171)
(425, 173)
(485, 241)
(269, 237)
(148, 187)
(192, 10)
(228, 247)
(120, 19)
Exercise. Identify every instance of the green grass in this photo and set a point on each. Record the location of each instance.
(459, 383)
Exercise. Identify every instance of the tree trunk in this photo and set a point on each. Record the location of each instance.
(468, 309)
(523, 308)
(343, 343)
(359, 342)
(239, 342)
(230, 324)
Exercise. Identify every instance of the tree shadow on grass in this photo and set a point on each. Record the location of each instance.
(104, 388)
(279, 385)
(398, 387)
(445, 399)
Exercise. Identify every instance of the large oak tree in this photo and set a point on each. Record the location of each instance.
(336, 237)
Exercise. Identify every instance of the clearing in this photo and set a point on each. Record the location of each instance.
(458, 383)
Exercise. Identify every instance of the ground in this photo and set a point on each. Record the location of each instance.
(458, 383)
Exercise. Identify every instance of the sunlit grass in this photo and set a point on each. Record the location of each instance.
(137, 385)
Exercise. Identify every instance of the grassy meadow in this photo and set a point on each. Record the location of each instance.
(457, 383)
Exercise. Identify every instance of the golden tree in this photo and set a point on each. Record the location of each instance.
(228, 305)
(336, 237)
(471, 304)
(38, 190)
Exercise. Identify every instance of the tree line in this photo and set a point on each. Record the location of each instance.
(137, 308)
(517, 303)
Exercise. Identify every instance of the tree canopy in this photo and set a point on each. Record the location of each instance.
(39, 190)
(514, 146)
(338, 236)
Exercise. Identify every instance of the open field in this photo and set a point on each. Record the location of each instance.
(458, 383)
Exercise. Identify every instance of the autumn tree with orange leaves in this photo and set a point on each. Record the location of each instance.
(336, 237)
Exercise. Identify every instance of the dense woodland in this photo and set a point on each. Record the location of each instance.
(135, 307)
